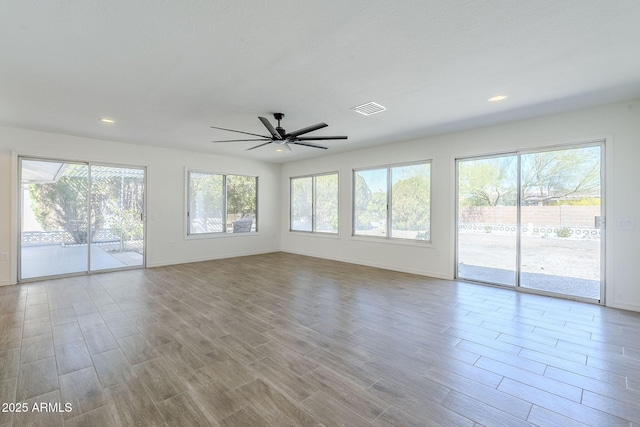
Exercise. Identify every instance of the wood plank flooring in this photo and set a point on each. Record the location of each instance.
(287, 340)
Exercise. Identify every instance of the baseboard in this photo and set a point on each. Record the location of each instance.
(624, 306)
(203, 259)
(368, 264)
(5, 283)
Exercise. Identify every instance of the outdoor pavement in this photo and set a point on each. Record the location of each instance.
(544, 282)
(52, 260)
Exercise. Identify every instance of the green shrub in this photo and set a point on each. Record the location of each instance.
(563, 232)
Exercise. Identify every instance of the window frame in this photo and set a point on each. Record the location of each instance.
(226, 231)
(388, 236)
(314, 203)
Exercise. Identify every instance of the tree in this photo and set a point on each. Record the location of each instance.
(488, 182)
(121, 201)
(362, 197)
(411, 203)
(241, 195)
(63, 205)
(326, 202)
(206, 192)
(551, 176)
(546, 177)
(301, 203)
(116, 203)
(377, 207)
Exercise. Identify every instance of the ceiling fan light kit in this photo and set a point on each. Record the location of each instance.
(280, 136)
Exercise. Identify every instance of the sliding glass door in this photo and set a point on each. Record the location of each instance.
(54, 218)
(117, 238)
(532, 220)
(560, 209)
(77, 217)
(487, 219)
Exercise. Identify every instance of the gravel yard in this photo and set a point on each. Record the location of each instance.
(569, 266)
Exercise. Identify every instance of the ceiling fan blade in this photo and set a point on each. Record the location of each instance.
(259, 145)
(308, 144)
(320, 138)
(239, 131)
(270, 128)
(242, 140)
(307, 129)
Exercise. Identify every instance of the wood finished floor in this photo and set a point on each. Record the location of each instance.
(287, 340)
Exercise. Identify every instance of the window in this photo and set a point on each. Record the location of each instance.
(221, 203)
(314, 203)
(393, 201)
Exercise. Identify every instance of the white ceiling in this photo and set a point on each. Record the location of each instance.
(167, 70)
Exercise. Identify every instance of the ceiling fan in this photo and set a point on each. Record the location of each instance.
(280, 137)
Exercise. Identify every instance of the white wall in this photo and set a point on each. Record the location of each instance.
(619, 124)
(165, 195)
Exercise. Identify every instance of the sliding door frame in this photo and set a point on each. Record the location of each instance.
(89, 164)
(602, 143)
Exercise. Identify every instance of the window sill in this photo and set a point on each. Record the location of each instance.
(393, 241)
(219, 235)
(314, 234)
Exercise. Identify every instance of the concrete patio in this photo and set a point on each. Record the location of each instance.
(52, 260)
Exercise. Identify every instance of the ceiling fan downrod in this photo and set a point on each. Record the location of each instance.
(281, 131)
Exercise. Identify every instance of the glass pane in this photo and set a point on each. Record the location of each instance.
(301, 204)
(487, 219)
(410, 201)
(370, 202)
(326, 203)
(560, 216)
(117, 209)
(241, 203)
(54, 218)
(206, 203)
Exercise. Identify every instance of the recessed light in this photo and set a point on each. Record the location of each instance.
(107, 120)
(279, 150)
(497, 98)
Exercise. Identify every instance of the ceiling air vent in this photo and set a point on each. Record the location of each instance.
(369, 108)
